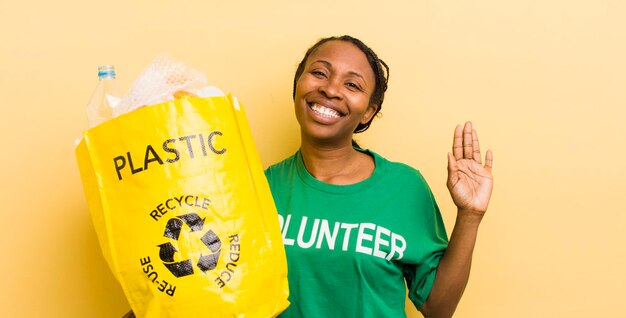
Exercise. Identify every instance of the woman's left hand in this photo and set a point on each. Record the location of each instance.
(469, 182)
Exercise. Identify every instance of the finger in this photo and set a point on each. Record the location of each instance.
(457, 144)
(468, 150)
(452, 170)
(476, 146)
(489, 160)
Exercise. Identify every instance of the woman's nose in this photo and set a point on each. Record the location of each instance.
(331, 89)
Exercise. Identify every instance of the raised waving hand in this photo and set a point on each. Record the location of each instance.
(469, 181)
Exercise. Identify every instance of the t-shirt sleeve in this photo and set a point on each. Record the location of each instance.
(420, 275)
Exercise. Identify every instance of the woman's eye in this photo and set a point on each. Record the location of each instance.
(319, 74)
(353, 86)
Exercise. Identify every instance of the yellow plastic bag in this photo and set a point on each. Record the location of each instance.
(183, 212)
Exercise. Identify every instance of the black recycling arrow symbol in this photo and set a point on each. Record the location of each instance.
(208, 262)
(174, 225)
(211, 241)
(167, 252)
(180, 269)
(194, 222)
(172, 229)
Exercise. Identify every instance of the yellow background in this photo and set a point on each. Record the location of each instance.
(543, 81)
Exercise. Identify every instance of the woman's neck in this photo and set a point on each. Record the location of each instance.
(340, 165)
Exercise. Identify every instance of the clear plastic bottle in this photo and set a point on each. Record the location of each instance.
(105, 97)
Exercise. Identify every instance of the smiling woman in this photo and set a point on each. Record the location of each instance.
(332, 95)
(378, 66)
(356, 226)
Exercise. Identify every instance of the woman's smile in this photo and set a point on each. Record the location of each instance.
(324, 111)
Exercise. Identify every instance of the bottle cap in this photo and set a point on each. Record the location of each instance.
(106, 71)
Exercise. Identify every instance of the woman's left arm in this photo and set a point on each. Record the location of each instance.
(470, 184)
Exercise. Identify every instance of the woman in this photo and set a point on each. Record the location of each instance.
(356, 226)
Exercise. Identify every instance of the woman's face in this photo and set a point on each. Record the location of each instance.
(333, 93)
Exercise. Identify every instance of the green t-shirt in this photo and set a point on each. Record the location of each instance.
(350, 247)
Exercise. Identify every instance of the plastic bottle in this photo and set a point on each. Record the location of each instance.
(105, 97)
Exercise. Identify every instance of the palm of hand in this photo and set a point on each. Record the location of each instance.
(469, 182)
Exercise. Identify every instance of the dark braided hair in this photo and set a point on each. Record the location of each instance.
(381, 73)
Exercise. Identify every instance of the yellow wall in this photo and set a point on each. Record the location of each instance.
(543, 81)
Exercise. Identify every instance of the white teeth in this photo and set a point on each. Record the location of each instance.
(325, 111)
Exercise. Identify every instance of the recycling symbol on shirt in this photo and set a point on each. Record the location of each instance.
(207, 261)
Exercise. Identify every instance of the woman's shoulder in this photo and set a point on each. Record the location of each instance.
(399, 171)
(282, 167)
(393, 166)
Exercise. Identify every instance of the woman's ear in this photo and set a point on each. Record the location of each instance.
(369, 113)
